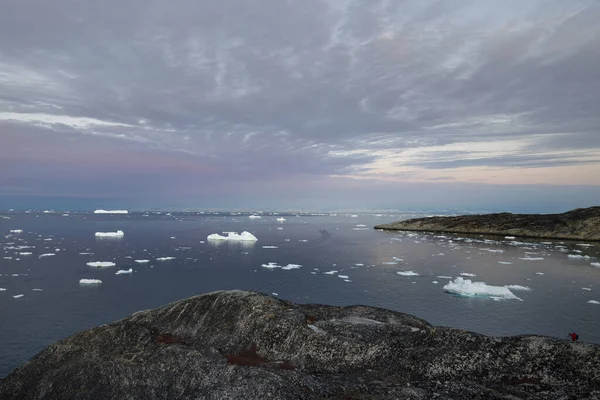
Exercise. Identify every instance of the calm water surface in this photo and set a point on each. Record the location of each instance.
(556, 305)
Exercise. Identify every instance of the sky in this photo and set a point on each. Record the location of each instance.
(312, 104)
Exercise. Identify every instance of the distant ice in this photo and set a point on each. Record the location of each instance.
(291, 266)
(46, 255)
(124, 271)
(270, 247)
(90, 281)
(593, 302)
(360, 265)
(111, 212)
(18, 296)
(116, 234)
(254, 216)
(280, 219)
(407, 273)
(343, 276)
(7, 258)
(532, 258)
(37, 290)
(142, 261)
(354, 216)
(271, 265)
(234, 236)
(586, 288)
(518, 287)
(390, 262)
(26, 253)
(101, 264)
(165, 258)
(360, 225)
(540, 273)
(493, 250)
(595, 264)
(443, 277)
(465, 287)
(16, 231)
(330, 272)
(467, 274)
(504, 262)
(274, 294)
(2, 289)
(85, 254)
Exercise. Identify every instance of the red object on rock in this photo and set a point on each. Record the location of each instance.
(574, 336)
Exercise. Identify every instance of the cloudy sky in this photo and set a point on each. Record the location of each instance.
(319, 104)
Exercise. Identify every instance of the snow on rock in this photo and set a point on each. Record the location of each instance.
(101, 264)
(245, 236)
(593, 302)
(142, 261)
(165, 258)
(407, 273)
(90, 281)
(111, 212)
(124, 271)
(465, 287)
(509, 237)
(595, 264)
(280, 219)
(116, 234)
(16, 231)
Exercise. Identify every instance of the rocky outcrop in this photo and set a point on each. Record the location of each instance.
(246, 345)
(579, 224)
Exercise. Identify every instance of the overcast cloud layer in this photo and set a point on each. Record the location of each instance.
(297, 103)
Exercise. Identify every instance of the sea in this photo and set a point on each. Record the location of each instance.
(491, 285)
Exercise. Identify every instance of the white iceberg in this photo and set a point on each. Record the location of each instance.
(26, 253)
(407, 273)
(436, 282)
(90, 281)
(280, 219)
(18, 296)
(464, 287)
(531, 258)
(586, 288)
(271, 265)
(46, 255)
(111, 212)
(504, 262)
(443, 277)
(117, 234)
(595, 264)
(518, 287)
(101, 264)
(254, 216)
(360, 225)
(16, 231)
(165, 258)
(593, 302)
(291, 266)
(330, 272)
(2, 289)
(124, 271)
(343, 276)
(142, 261)
(467, 274)
(578, 257)
(540, 273)
(270, 247)
(245, 236)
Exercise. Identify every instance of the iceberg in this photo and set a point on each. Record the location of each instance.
(26, 253)
(16, 231)
(124, 271)
(111, 212)
(165, 258)
(46, 255)
(291, 266)
(101, 264)
(467, 274)
(330, 272)
(595, 264)
(117, 234)
(360, 225)
(90, 281)
(271, 265)
(518, 287)
(270, 247)
(540, 273)
(245, 236)
(142, 261)
(531, 258)
(593, 302)
(464, 287)
(504, 262)
(280, 219)
(2, 289)
(577, 257)
(254, 216)
(343, 276)
(586, 288)
(18, 296)
(407, 273)
(443, 277)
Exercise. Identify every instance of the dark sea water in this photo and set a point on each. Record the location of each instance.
(555, 305)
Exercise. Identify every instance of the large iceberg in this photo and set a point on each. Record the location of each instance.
(101, 264)
(111, 212)
(464, 287)
(234, 236)
(117, 234)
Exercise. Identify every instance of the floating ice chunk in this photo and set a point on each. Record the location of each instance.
(532, 258)
(407, 273)
(593, 302)
(343, 276)
(274, 294)
(578, 257)
(280, 219)
(436, 282)
(111, 212)
(7, 258)
(37, 290)
(360, 265)
(16, 231)
(270, 247)
(271, 265)
(595, 264)
(518, 287)
(493, 250)
(142, 261)
(245, 236)
(90, 281)
(173, 237)
(2, 289)
(464, 287)
(504, 262)
(303, 240)
(117, 234)
(540, 273)
(586, 288)
(467, 274)
(101, 264)
(390, 262)
(291, 266)
(330, 272)
(584, 245)
(46, 255)
(509, 237)
(165, 258)
(124, 271)
(254, 216)
(18, 296)
(443, 277)
(85, 254)
(26, 253)
(360, 225)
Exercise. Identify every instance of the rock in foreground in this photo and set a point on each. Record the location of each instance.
(245, 345)
(579, 224)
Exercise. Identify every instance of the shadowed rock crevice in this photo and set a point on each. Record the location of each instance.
(238, 344)
(579, 224)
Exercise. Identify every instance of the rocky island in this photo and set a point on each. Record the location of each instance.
(579, 224)
(246, 345)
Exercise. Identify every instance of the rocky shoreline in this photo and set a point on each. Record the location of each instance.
(579, 224)
(239, 344)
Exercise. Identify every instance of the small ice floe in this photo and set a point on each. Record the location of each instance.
(493, 250)
(165, 258)
(101, 264)
(7, 258)
(504, 262)
(173, 237)
(117, 234)
(86, 254)
(407, 273)
(330, 272)
(124, 271)
(360, 265)
(354, 216)
(280, 219)
(142, 261)
(586, 288)
(270, 247)
(436, 282)
(360, 225)
(2, 289)
(584, 245)
(274, 294)
(279, 228)
(343, 276)
(111, 212)
(25, 253)
(37, 290)
(518, 287)
(595, 264)
(271, 265)
(46, 255)
(578, 257)
(90, 281)
(16, 231)
(303, 240)
(254, 216)
(593, 302)
(540, 273)
(18, 296)
(443, 277)
(510, 237)
(291, 266)
(245, 236)
(531, 258)
(465, 287)
(48, 239)
(467, 274)
(390, 262)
